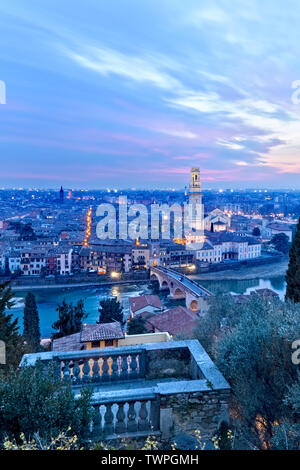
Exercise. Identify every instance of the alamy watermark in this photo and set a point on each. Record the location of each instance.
(2, 352)
(296, 95)
(161, 221)
(2, 92)
(296, 353)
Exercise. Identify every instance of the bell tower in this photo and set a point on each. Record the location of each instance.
(195, 195)
(195, 210)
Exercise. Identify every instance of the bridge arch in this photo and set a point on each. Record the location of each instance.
(194, 305)
(179, 294)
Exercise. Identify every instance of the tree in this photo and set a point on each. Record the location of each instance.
(293, 271)
(287, 434)
(222, 316)
(34, 400)
(69, 319)
(256, 232)
(110, 310)
(27, 232)
(154, 285)
(256, 360)
(137, 326)
(31, 331)
(280, 241)
(9, 329)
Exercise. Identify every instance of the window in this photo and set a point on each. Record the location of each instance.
(95, 344)
(109, 342)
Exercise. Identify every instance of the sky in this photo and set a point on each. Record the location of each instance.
(134, 93)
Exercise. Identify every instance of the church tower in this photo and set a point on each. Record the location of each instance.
(195, 211)
(61, 195)
(195, 195)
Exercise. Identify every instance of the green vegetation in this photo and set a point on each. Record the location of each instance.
(136, 326)
(69, 319)
(31, 331)
(110, 310)
(293, 272)
(34, 401)
(251, 344)
(281, 243)
(25, 231)
(9, 329)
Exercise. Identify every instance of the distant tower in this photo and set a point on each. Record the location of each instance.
(61, 195)
(196, 214)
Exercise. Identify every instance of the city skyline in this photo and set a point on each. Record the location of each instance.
(134, 95)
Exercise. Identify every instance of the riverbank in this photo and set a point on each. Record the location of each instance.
(245, 272)
(73, 286)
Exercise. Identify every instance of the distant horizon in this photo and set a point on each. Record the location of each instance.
(112, 189)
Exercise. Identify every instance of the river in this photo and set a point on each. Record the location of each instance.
(47, 299)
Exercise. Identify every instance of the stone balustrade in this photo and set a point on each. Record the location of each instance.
(100, 366)
(138, 415)
(129, 403)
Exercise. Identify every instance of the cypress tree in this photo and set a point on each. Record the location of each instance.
(110, 310)
(10, 338)
(69, 319)
(293, 272)
(31, 331)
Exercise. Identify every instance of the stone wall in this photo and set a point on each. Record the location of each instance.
(187, 412)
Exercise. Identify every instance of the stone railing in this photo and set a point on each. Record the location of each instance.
(101, 366)
(116, 416)
(129, 403)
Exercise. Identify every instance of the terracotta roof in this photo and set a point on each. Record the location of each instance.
(67, 343)
(266, 292)
(278, 226)
(240, 298)
(176, 320)
(101, 331)
(136, 303)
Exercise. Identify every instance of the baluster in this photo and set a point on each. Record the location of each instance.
(131, 415)
(120, 424)
(133, 366)
(108, 421)
(143, 414)
(97, 421)
(124, 368)
(86, 371)
(95, 371)
(105, 369)
(142, 364)
(114, 369)
(76, 372)
(66, 370)
(154, 414)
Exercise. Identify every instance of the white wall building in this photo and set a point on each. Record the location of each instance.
(230, 246)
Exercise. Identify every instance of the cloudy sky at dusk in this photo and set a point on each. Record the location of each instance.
(133, 93)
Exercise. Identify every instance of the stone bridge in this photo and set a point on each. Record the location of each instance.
(181, 287)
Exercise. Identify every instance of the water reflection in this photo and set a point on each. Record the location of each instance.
(246, 286)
